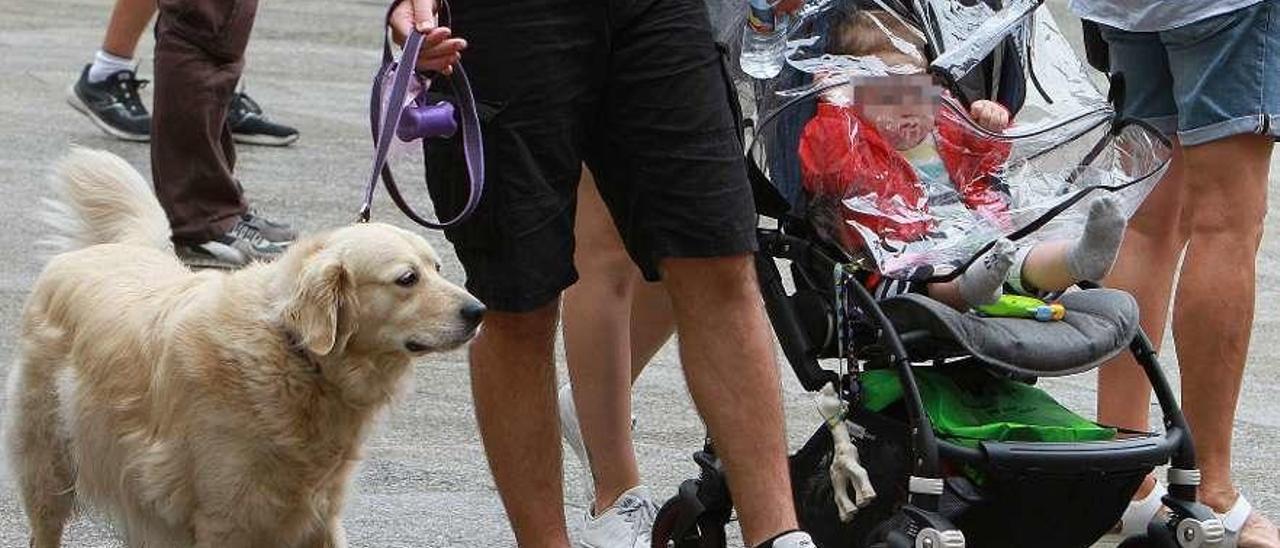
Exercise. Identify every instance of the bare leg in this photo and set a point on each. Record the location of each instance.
(652, 323)
(1153, 243)
(513, 384)
(728, 356)
(1148, 259)
(597, 327)
(1228, 181)
(1058, 265)
(129, 19)
(1045, 267)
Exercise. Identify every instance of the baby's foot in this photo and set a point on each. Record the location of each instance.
(1095, 252)
(983, 282)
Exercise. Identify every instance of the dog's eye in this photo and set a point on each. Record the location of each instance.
(408, 279)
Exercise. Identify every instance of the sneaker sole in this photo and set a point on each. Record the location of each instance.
(74, 100)
(199, 263)
(205, 262)
(264, 140)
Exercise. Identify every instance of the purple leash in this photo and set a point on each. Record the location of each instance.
(420, 120)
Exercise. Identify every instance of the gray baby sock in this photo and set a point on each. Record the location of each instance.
(982, 283)
(1096, 250)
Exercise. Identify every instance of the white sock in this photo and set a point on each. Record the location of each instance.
(106, 64)
(1096, 250)
(983, 282)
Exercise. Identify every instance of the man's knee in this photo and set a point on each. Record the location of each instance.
(709, 277)
(531, 329)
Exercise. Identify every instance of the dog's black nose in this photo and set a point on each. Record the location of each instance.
(473, 312)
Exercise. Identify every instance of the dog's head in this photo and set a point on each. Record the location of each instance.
(372, 289)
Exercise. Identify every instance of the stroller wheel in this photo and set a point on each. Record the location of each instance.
(678, 526)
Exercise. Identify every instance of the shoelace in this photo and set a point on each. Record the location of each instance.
(253, 216)
(247, 232)
(639, 513)
(129, 84)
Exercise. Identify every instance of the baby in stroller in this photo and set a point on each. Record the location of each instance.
(869, 141)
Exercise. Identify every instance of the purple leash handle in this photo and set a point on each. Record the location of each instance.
(472, 141)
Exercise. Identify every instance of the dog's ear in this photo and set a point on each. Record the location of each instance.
(321, 309)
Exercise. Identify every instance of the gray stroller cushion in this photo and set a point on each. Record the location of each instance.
(1099, 324)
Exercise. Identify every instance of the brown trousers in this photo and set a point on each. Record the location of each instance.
(198, 59)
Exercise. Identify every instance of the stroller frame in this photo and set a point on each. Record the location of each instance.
(698, 514)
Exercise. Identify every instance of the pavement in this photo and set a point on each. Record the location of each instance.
(425, 483)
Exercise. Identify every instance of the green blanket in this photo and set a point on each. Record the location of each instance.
(971, 405)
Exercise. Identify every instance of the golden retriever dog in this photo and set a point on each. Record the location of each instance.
(210, 409)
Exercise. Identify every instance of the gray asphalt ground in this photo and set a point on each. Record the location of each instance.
(425, 482)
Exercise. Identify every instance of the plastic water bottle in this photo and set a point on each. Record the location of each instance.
(764, 41)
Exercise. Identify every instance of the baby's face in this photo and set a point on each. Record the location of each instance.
(901, 107)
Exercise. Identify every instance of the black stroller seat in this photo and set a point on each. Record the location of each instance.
(1099, 324)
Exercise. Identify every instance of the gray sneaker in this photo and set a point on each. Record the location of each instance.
(240, 246)
(274, 232)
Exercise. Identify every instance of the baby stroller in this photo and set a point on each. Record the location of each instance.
(959, 446)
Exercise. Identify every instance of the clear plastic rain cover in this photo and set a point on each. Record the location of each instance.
(916, 132)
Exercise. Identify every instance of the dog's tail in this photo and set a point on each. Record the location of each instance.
(98, 199)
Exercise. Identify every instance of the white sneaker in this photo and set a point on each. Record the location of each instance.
(794, 539)
(626, 524)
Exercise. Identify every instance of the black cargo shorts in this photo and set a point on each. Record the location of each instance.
(638, 91)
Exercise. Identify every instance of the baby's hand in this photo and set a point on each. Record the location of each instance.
(992, 116)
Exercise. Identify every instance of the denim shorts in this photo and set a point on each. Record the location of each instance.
(1212, 79)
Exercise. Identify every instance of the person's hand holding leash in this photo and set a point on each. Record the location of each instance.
(440, 50)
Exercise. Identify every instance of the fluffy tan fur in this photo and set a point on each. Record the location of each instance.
(205, 408)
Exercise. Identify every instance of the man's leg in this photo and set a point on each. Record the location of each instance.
(728, 355)
(513, 383)
(1228, 182)
(192, 155)
(129, 19)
